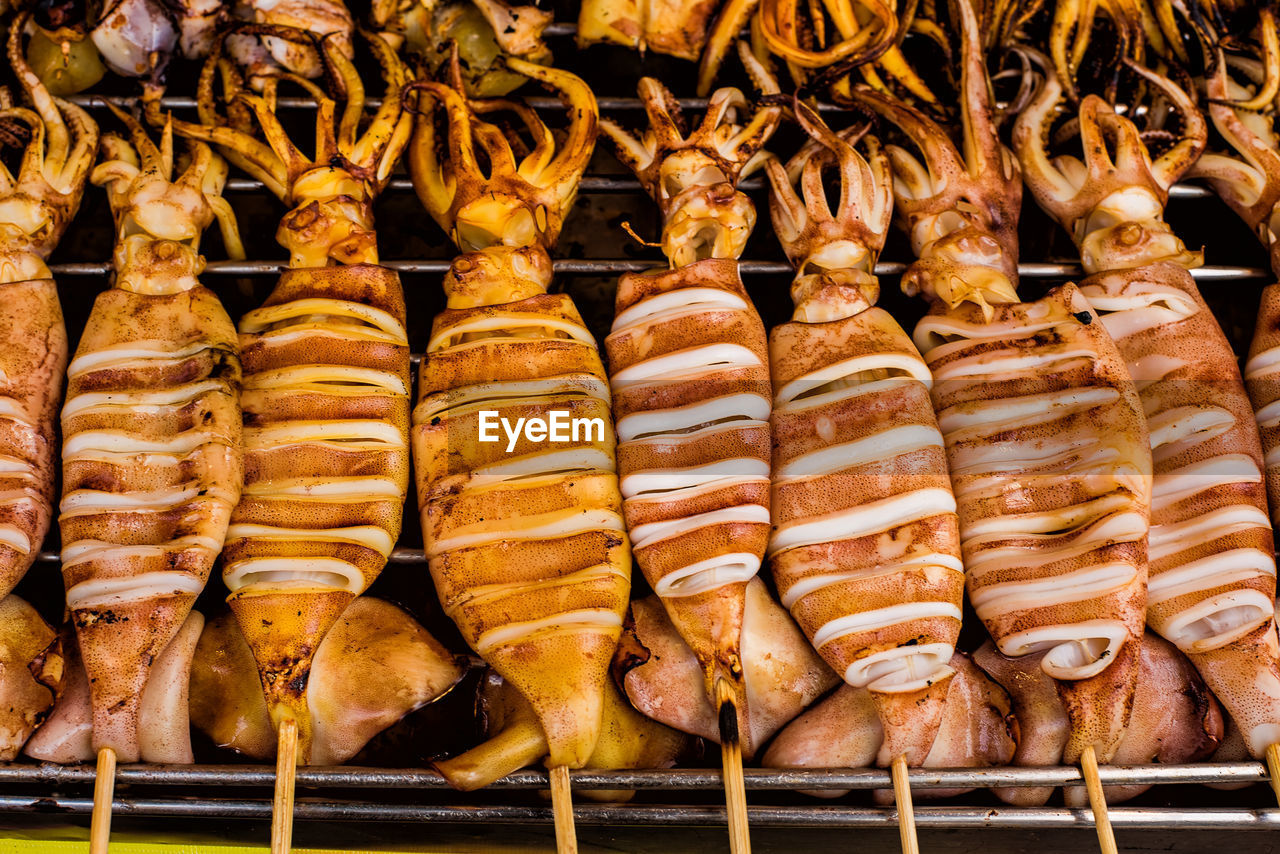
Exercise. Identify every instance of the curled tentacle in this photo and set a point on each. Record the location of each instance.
(264, 46)
(514, 202)
(860, 30)
(1112, 201)
(818, 240)
(693, 177)
(332, 191)
(38, 203)
(960, 205)
(1249, 182)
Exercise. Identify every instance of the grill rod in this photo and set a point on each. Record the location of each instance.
(1124, 818)
(608, 266)
(673, 779)
(621, 184)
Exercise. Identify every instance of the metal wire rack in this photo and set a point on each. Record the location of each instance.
(669, 797)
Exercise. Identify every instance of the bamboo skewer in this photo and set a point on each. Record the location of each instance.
(1097, 801)
(286, 776)
(735, 787)
(104, 788)
(906, 810)
(1273, 768)
(562, 811)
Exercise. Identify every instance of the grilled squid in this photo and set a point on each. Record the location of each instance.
(689, 366)
(396, 664)
(674, 27)
(822, 43)
(845, 730)
(265, 43)
(1175, 717)
(33, 673)
(524, 536)
(865, 547)
(35, 207)
(484, 32)
(782, 673)
(1212, 566)
(151, 460)
(1045, 438)
(164, 730)
(515, 739)
(135, 38)
(326, 373)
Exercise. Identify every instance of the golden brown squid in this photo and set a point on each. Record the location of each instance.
(1175, 717)
(262, 44)
(688, 362)
(1044, 431)
(483, 31)
(866, 546)
(1212, 584)
(524, 536)
(164, 729)
(1250, 184)
(33, 673)
(151, 459)
(782, 674)
(677, 28)
(515, 739)
(977, 729)
(398, 666)
(35, 207)
(822, 43)
(326, 372)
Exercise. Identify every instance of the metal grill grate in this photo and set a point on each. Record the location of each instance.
(686, 796)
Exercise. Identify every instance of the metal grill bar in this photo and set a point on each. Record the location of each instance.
(1124, 818)
(621, 184)
(614, 266)
(317, 782)
(676, 779)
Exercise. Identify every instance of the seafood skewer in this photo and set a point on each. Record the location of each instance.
(688, 363)
(1045, 437)
(866, 546)
(844, 730)
(399, 666)
(1175, 716)
(151, 460)
(1250, 184)
(326, 384)
(525, 539)
(35, 207)
(1212, 567)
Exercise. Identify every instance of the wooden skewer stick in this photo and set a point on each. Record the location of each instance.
(735, 787)
(1097, 801)
(286, 776)
(562, 811)
(1273, 768)
(104, 789)
(906, 809)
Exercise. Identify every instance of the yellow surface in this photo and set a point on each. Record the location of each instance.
(62, 846)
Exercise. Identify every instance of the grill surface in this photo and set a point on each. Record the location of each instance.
(594, 250)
